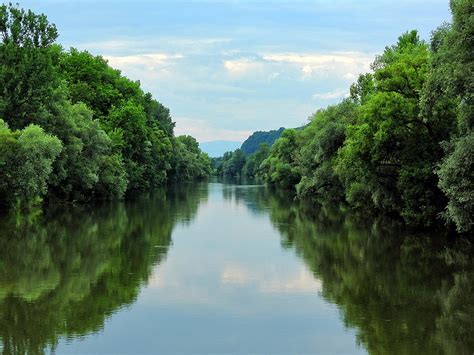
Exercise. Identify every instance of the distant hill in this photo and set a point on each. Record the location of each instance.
(217, 148)
(253, 142)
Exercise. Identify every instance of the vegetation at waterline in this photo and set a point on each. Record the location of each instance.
(73, 128)
(401, 144)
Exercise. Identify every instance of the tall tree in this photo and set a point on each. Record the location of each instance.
(448, 100)
(27, 74)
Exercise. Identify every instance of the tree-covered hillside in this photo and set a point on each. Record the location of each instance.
(252, 143)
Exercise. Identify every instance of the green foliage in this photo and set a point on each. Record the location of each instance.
(252, 143)
(114, 137)
(27, 74)
(26, 162)
(402, 143)
(189, 161)
(448, 99)
(456, 177)
(361, 90)
(87, 157)
(282, 168)
(232, 163)
(93, 82)
(253, 163)
(322, 139)
(390, 148)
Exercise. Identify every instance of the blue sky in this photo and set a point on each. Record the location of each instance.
(228, 68)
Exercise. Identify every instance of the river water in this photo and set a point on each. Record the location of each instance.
(227, 268)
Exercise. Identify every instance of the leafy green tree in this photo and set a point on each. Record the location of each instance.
(232, 164)
(190, 163)
(26, 162)
(146, 152)
(282, 168)
(92, 81)
(158, 115)
(254, 161)
(363, 88)
(322, 139)
(253, 143)
(27, 74)
(88, 166)
(114, 137)
(456, 179)
(448, 100)
(390, 153)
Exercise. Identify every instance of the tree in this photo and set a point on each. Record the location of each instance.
(322, 139)
(391, 151)
(254, 161)
(281, 168)
(88, 167)
(190, 163)
(456, 175)
(26, 161)
(448, 99)
(27, 74)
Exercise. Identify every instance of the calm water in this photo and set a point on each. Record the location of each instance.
(221, 268)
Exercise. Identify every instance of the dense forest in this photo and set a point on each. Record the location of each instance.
(245, 161)
(73, 128)
(401, 144)
(252, 143)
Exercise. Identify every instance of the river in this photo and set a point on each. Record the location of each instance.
(226, 268)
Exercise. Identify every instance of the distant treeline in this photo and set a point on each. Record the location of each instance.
(401, 144)
(73, 128)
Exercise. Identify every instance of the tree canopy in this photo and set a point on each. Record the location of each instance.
(401, 143)
(76, 129)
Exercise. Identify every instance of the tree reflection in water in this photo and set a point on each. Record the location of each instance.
(403, 292)
(64, 272)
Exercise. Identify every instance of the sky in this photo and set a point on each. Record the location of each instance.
(227, 68)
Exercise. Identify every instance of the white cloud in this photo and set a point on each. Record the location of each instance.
(235, 274)
(204, 132)
(302, 282)
(150, 61)
(331, 95)
(343, 64)
(267, 282)
(241, 66)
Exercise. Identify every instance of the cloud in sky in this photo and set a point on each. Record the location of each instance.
(241, 66)
(228, 68)
(204, 132)
(149, 61)
(346, 65)
(338, 94)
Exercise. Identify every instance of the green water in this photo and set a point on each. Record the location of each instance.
(222, 268)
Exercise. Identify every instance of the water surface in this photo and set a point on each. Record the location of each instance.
(223, 268)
